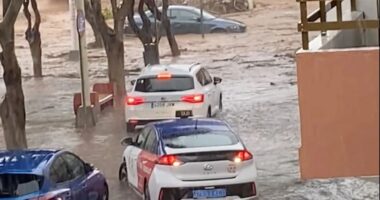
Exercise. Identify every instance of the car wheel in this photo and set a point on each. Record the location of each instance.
(130, 127)
(209, 112)
(146, 193)
(123, 173)
(220, 103)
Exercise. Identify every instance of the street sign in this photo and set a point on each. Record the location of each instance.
(81, 22)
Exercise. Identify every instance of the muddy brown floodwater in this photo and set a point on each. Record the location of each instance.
(259, 87)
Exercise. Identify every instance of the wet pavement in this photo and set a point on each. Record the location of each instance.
(259, 92)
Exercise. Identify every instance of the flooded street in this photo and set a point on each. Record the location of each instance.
(259, 91)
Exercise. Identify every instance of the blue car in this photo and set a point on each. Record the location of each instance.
(187, 19)
(49, 175)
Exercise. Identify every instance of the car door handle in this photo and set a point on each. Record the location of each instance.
(144, 162)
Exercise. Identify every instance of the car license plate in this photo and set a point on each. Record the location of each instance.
(184, 113)
(215, 193)
(162, 104)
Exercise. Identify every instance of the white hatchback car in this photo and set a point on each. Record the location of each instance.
(188, 159)
(164, 92)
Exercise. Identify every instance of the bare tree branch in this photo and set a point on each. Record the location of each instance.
(97, 6)
(27, 15)
(37, 15)
(131, 20)
(153, 8)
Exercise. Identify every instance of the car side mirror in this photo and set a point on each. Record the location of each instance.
(127, 141)
(88, 168)
(198, 19)
(133, 82)
(217, 80)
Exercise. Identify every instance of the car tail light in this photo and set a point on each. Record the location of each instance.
(242, 156)
(164, 76)
(134, 101)
(195, 98)
(169, 160)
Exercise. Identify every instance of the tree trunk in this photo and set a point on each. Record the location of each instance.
(151, 54)
(35, 50)
(12, 109)
(33, 36)
(98, 43)
(169, 34)
(113, 43)
(115, 58)
(90, 17)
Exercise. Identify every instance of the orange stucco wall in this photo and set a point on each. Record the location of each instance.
(339, 108)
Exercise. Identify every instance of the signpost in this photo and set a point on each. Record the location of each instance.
(86, 115)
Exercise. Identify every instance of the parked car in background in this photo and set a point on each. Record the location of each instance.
(187, 19)
(172, 91)
(49, 175)
(189, 159)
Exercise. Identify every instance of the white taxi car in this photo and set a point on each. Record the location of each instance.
(172, 91)
(188, 159)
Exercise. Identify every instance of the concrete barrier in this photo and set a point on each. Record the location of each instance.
(339, 109)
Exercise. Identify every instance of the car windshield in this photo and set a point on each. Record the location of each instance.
(15, 185)
(174, 84)
(197, 138)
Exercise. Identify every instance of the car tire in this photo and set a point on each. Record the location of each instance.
(123, 173)
(209, 114)
(130, 127)
(220, 103)
(146, 192)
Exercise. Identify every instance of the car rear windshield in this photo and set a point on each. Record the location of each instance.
(15, 185)
(173, 84)
(199, 138)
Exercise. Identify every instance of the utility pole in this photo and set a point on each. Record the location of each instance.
(202, 29)
(86, 116)
(74, 51)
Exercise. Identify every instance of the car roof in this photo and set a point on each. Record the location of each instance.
(170, 127)
(182, 7)
(25, 161)
(177, 69)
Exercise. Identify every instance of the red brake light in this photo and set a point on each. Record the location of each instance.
(169, 160)
(242, 156)
(133, 101)
(195, 98)
(164, 76)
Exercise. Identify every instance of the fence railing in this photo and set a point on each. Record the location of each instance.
(309, 22)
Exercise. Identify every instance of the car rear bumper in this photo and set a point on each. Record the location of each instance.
(172, 183)
(240, 191)
(144, 116)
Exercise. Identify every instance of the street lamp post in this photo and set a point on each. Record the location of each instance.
(74, 51)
